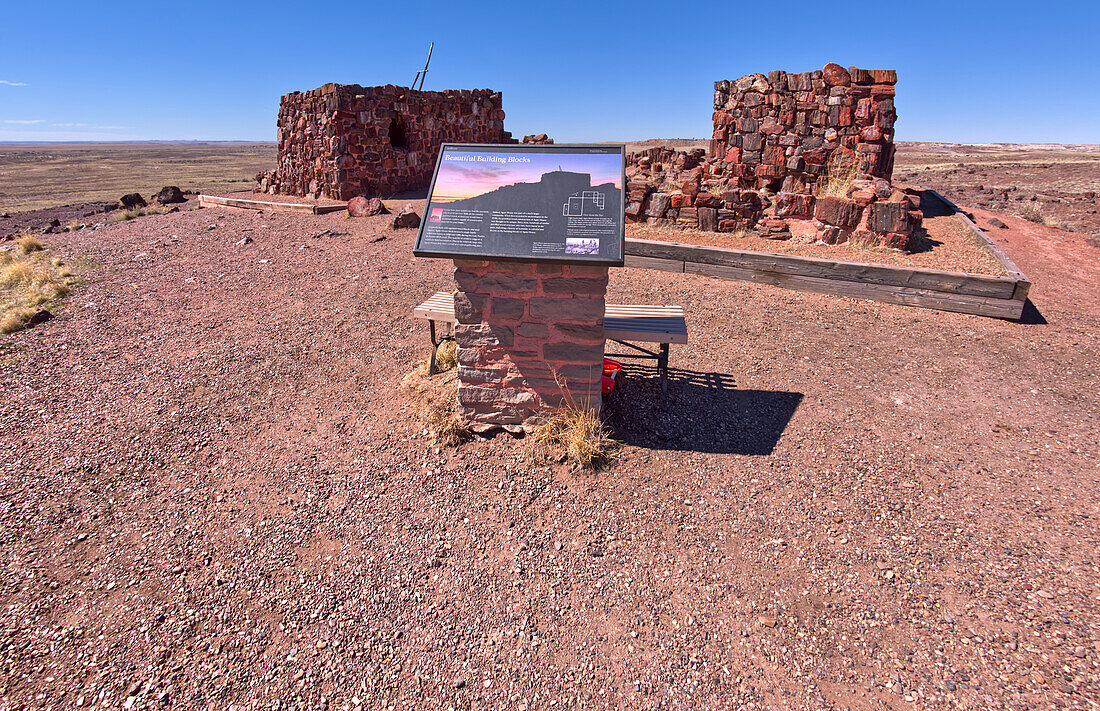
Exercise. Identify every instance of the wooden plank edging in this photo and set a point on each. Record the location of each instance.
(209, 200)
(1023, 284)
(979, 294)
(818, 267)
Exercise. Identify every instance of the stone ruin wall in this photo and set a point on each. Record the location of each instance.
(344, 140)
(806, 155)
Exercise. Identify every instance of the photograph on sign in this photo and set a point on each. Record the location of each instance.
(561, 203)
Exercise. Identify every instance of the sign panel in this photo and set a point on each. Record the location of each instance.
(553, 203)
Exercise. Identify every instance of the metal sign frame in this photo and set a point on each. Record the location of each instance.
(563, 148)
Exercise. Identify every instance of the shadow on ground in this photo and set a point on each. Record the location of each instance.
(1031, 315)
(704, 412)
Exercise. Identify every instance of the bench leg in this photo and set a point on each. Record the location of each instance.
(662, 370)
(435, 347)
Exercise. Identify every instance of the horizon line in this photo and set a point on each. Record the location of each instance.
(640, 140)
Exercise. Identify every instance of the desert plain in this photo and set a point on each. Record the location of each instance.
(216, 494)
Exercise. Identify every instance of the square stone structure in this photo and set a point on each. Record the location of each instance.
(781, 132)
(530, 338)
(344, 140)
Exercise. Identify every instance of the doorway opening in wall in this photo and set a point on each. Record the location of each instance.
(397, 134)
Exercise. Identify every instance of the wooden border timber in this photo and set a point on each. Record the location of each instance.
(209, 200)
(1023, 284)
(980, 294)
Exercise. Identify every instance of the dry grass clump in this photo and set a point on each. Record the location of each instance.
(437, 400)
(839, 177)
(27, 280)
(1032, 212)
(127, 215)
(445, 359)
(27, 244)
(576, 435)
(442, 419)
(573, 433)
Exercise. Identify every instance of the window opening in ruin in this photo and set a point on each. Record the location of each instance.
(397, 134)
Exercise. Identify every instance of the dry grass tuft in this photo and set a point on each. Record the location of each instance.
(1032, 212)
(841, 173)
(573, 433)
(28, 244)
(445, 357)
(127, 215)
(576, 435)
(27, 280)
(437, 400)
(442, 420)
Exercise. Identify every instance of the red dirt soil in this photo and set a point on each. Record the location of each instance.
(213, 495)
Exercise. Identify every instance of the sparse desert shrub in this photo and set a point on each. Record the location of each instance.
(444, 360)
(574, 434)
(1032, 212)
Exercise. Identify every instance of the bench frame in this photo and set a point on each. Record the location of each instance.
(661, 355)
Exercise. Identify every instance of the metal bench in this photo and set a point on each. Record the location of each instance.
(640, 323)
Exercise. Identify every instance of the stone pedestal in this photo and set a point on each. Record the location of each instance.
(530, 337)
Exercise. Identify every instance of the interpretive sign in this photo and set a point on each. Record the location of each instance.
(535, 203)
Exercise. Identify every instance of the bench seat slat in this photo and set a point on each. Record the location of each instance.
(637, 322)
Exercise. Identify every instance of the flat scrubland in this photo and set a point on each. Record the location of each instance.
(44, 175)
(216, 493)
(1050, 184)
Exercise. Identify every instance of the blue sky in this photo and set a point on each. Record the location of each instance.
(586, 71)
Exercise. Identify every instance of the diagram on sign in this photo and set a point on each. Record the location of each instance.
(574, 206)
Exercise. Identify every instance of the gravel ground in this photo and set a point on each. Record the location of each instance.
(213, 495)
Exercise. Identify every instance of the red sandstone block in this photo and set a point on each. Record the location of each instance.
(771, 171)
(566, 352)
(733, 155)
(574, 309)
(838, 212)
(774, 155)
(883, 76)
(582, 270)
(708, 200)
(574, 285)
(881, 91)
(794, 205)
(836, 75)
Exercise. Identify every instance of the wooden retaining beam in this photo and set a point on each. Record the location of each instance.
(308, 208)
(981, 294)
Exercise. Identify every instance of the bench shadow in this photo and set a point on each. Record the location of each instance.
(703, 412)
